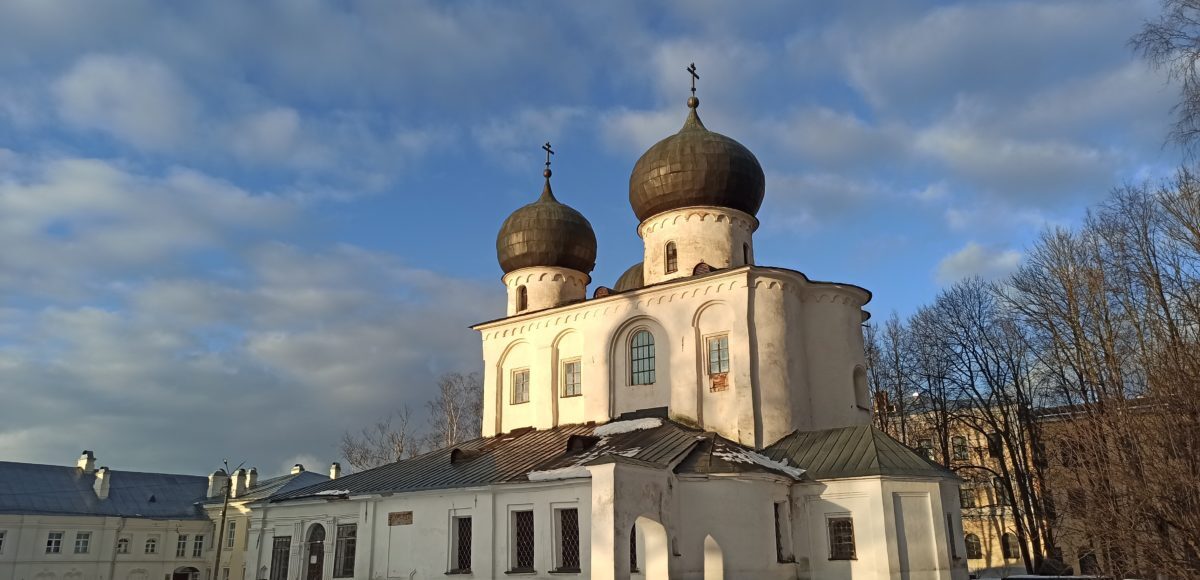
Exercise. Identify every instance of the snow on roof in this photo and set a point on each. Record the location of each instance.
(577, 469)
(739, 455)
(333, 492)
(631, 425)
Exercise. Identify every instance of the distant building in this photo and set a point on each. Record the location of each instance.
(705, 417)
(84, 522)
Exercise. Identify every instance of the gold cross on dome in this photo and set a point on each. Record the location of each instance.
(549, 152)
(692, 69)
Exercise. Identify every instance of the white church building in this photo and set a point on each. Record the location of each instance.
(705, 417)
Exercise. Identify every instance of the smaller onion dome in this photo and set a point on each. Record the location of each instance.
(696, 167)
(632, 279)
(546, 233)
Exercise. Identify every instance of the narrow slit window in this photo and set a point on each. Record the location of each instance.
(462, 545)
(841, 539)
(520, 386)
(572, 378)
(522, 298)
(746, 254)
(780, 553)
(568, 540)
(672, 258)
(633, 556)
(641, 359)
(522, 535)
(718, 355)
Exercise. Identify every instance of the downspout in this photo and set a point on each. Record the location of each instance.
(112, 564)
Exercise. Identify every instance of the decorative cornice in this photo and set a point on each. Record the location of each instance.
(527, 275)
(715, 214)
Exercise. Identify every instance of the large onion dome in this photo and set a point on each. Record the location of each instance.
(546, 233)
(696, 167)
(632, 279)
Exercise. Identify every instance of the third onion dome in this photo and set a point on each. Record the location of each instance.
(696, 167)
(546, 233)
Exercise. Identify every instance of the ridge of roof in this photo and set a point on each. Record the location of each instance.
(854, 451)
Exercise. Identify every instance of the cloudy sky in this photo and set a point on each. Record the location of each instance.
(235, 229)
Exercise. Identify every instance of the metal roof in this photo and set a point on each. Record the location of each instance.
(30, 488)
(852, 452)
(268, 488)
(510, 457)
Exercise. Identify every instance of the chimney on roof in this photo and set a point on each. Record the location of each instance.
(216, 483)
(297, 468)
(252, 478)
(102, 481)
(239, 483)
(335, 470)
(87, 461)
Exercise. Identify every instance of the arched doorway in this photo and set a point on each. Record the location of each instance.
(654, 549)
(185, 573)
(316, 552)
(714, 560)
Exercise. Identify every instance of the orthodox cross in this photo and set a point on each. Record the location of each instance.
(549, 152)
(692, 69)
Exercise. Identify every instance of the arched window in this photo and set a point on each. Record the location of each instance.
(641, 358)
(746, 254)
(123, 546)
(1009, 547)
(522, 298)
(633, 559)
(974, 547)
(672, 258)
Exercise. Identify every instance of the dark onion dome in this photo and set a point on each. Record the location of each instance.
(696, 167)
(632, 279)
(546, 233)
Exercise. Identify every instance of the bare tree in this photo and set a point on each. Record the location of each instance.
(456, 413)
(1172, 43)
(389, 439)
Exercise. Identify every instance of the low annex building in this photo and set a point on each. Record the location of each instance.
(704, 417)
(84, 522)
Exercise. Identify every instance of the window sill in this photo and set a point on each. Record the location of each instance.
(564, 571)
(521, 572)
(842, 559)
(458, 573)
(570, 396)
(519, 403)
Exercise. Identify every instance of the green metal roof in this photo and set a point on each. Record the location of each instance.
(857, 451)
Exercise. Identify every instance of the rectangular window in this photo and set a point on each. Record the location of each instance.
(152, 546)
(841, 538)
(230, 534)
(572, 378)
(925, 446)
(343, 554)
(54, 542)
(2, 534)
(123, 546)
(461, 548)
(225, 574)
(83, 541)
(961, 452)
(521, 538)
(718, 355)
(966, 497)
(781, 554)
(281, 548)
(181, 546)
(198, 546)
(568, 540)
(1001, 493)
(520, 386)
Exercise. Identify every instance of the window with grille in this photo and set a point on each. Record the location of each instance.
(230, 534)
(123, 546)
(520, 386)
(522, 298)
(572, 378)
(841, 539)
(462, 545)
(54, 542)
(568, 540)
(181, 546)
(281, 552)
(198, 546)
(974, 547)
(672, 258)
(1009, 547)
(151, 546)
(961, 451)
(641, 358)
(522, 541)
(343, 551)
(83, 541)
(633, 557)
(718, 355)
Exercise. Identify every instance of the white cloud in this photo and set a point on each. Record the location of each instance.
(133, 98)
(515, 140)
(975, 259)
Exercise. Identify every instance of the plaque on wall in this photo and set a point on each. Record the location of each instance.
(399, 518)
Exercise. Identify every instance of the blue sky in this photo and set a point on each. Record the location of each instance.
(237, 229)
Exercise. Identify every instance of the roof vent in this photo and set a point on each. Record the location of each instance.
(581, 442)
(459, 455)
(152, 499)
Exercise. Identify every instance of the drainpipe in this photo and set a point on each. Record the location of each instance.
(112, 564)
